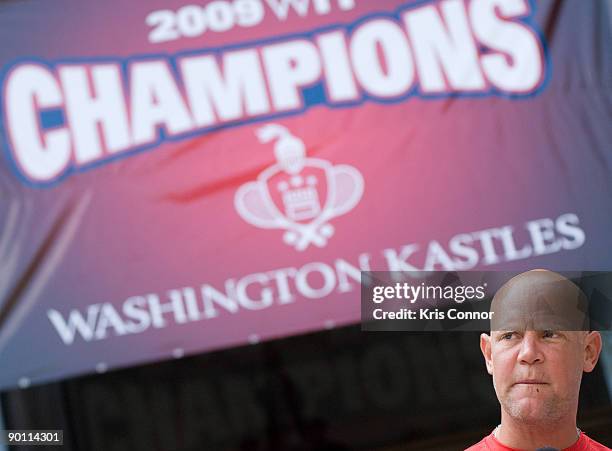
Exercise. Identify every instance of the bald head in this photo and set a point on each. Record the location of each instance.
(540, 300)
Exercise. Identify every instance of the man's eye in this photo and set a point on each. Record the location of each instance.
(507, 336)
(549, 334)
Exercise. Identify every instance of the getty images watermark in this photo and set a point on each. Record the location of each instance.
(462, 301)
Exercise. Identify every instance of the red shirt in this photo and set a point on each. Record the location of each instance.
(584, 443)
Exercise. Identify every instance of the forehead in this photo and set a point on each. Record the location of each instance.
(539, 301)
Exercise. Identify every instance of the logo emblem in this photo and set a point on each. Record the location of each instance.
(298, 194)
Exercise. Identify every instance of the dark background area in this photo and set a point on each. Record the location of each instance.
(341, 389)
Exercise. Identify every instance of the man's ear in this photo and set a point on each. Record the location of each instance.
(592, 349)
(485, 347)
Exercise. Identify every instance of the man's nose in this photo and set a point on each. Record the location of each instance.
(530, 352)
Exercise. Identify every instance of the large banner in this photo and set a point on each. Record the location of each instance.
(183, 177)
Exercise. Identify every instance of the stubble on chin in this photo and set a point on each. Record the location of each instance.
(534, 408)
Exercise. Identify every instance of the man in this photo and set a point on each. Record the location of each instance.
(538, 348)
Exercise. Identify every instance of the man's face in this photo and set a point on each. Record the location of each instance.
(536, 374)
(537, 365)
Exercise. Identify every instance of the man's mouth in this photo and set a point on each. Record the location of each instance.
(531, 382)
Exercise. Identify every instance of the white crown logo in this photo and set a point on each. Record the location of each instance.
(297, 182)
